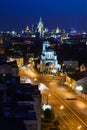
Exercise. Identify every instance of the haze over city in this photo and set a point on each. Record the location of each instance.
(65, 14)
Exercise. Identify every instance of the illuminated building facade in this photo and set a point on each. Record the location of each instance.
(49, 62)
(41, 28)
(78, 82)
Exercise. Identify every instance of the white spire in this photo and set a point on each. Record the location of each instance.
(40, 19)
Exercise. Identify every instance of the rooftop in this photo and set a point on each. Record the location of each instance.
(78, 76)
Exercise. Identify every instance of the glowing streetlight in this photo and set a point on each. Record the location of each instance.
(61, 107)
(48, 95)
(79, 127)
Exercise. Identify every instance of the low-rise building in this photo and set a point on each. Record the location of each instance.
(9, 68)
(77, 82)
(69, 66)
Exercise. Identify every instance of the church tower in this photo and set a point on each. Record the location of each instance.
(27, 29)
(27, 32)
(57, 30)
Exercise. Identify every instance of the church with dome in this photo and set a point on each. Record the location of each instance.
(49, 62)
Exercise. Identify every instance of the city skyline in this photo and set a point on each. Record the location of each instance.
(64, 14)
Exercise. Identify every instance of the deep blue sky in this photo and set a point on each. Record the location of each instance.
(16, 14)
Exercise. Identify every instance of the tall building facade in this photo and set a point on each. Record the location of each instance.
(41, 28)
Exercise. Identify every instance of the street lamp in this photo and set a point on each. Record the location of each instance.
(79, 127)
(54, 69)
(63, 67)
(61, 107)
(48, 95)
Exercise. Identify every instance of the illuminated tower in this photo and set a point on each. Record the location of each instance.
(57, 30)
(40, 28)
(27, 29)
(27, 32)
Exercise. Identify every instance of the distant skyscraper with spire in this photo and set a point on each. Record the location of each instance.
(41, 28)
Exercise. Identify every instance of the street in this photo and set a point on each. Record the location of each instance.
(70, 109)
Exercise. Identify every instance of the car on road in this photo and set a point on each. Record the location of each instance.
(70, 98)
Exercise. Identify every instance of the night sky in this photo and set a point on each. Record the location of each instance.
(65, 14)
